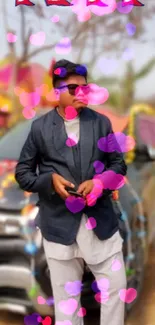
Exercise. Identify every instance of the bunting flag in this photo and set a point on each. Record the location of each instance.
(58, 3)
(98, 3)
(24, 2)
(65, 3)
(134, 3)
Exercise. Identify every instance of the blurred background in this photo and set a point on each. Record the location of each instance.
(118, 50)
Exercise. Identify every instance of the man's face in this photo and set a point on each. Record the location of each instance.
(72, 96)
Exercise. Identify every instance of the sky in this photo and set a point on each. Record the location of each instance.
(141, 53)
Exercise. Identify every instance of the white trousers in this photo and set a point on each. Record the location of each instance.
(63, 271)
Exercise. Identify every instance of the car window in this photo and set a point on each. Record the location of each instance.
(12, 142)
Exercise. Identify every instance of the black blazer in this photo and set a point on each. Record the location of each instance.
(45, 147)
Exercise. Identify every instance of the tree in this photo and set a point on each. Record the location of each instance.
(99, 35)
(122, 90)
(26, 17)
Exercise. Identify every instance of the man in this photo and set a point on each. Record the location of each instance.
(67, 238)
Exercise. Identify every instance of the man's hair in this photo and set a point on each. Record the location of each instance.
(63, 69)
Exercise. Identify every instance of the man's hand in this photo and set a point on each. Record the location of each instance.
(91, 190)
(85, 188)
(59, 184)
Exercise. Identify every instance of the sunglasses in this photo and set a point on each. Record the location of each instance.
(73, 88)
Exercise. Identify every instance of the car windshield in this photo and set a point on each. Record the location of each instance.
(12, 142)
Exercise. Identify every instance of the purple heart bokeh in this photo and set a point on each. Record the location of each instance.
(50, 301)
(124, 9)
(131, 29)
(128, 54)
(117, 141)
(99, 166)
(95, 287)
(64, 46)
(31, 319)
(111, 180)
(73, 288)
(75, 204)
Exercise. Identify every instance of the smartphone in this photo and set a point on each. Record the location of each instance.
(74, 193)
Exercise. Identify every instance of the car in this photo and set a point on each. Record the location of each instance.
(141, 169)
(24, 274)
(139, 123)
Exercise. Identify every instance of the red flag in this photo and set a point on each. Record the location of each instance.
(134, 3)
(98, 3)
(24, 2)
(57, 3)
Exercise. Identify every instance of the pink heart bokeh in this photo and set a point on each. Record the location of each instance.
(41, 300)
(102, 297)
(98, 187)
(80, 8)
(68, 307)
(116, 265)
(84, 16)
(97, 95)
(72, 140)
(91, 223)
(82, 312)
(91, 199)
(37, 39)
(11, 38)
(28, 113)
(46, 321)
(55, 18)
(101, 11)
(128, 295)
(103, 284)
(30, 100)
(70, 112)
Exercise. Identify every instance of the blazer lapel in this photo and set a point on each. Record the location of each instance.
(86, 140)
(60, 137)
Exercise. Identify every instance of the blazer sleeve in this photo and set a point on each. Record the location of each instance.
(25, 173)
(115, 160)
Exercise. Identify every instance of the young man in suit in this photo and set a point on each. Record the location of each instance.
(67, 240)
